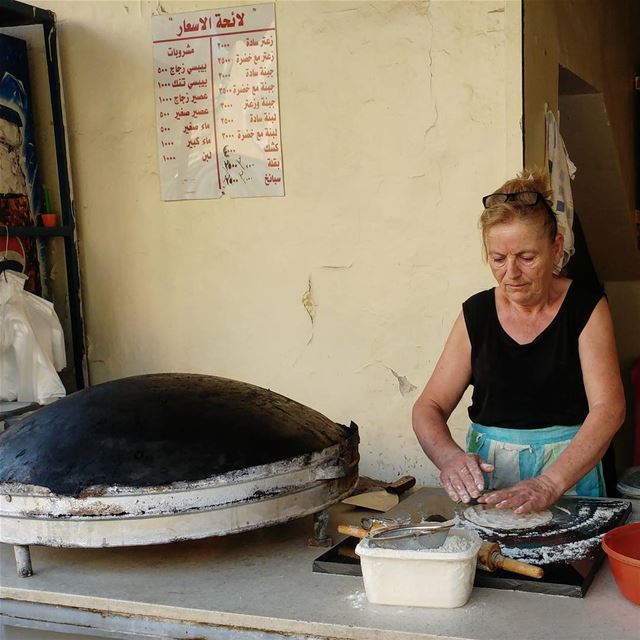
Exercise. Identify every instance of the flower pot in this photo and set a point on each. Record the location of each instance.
(49, 219)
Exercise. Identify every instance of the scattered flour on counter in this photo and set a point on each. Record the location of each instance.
(569, 551)
(358, 599)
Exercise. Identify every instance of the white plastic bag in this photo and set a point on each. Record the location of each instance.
(31, 344)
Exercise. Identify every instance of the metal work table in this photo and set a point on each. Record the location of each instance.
(259, 585)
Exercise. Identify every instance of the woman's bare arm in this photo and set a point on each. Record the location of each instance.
(460, 472)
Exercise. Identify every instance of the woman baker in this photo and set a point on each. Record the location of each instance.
(540, 352)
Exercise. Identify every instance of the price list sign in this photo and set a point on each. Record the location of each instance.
(217, 107)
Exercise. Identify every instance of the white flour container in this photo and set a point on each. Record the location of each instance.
(421, 578)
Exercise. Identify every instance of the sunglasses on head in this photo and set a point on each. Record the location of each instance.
(527, 198)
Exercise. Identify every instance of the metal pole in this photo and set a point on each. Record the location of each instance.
(67, 205)
(23, 560)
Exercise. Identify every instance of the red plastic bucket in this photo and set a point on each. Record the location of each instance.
(622, 545)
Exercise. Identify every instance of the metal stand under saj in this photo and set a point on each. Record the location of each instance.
(321, 530)
(23, 560)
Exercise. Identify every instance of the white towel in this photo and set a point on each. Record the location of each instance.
(562, 171)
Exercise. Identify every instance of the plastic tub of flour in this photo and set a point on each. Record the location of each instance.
(439, 577)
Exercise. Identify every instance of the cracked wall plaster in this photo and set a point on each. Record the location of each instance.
(379, 260)
(310, 307)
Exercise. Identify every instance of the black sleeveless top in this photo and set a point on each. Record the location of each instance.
(533, 385)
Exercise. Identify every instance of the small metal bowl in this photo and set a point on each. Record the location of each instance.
(429, 535)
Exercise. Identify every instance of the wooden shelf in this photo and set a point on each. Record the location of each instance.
(38, 232)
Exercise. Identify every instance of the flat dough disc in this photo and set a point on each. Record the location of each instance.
(492, 518)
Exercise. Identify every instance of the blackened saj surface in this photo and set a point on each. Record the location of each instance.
(158, 429)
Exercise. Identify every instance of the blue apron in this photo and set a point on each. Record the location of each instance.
(522, 454)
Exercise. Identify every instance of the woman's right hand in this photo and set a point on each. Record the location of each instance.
(461, 476)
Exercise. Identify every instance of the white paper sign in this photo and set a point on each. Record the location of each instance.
(217, 107)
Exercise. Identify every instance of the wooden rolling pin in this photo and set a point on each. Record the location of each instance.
(489, 556)
(356, 531)
(490, 559)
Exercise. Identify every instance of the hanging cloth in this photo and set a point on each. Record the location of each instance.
(31, 344)
(561, 171)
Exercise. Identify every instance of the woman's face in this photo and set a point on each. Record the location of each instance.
(522, 258)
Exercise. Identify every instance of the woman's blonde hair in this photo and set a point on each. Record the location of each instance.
(540, 214)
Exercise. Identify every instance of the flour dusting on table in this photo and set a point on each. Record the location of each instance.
(556, 553)
(358, 599)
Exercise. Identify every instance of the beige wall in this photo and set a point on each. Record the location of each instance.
(396, 118)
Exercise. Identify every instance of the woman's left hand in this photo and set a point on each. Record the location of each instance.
(526, 496)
